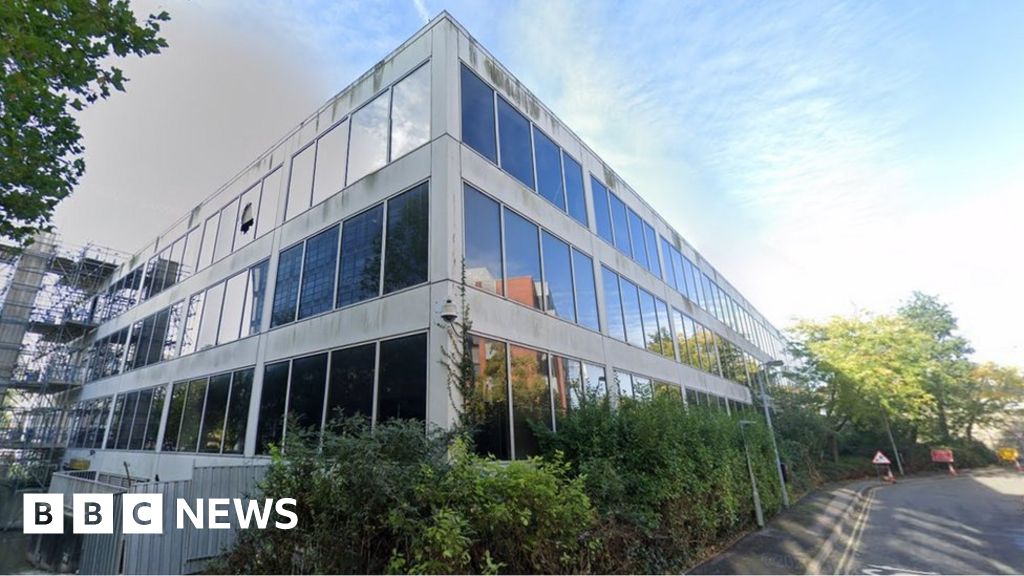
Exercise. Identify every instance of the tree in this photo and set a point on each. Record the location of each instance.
(951, 370)
(992, 392)
(54, 55)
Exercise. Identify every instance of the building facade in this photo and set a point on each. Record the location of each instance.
(313, 282)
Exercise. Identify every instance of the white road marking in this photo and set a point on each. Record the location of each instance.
(876, 570)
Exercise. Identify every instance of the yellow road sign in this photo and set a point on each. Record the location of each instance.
(1008, 454)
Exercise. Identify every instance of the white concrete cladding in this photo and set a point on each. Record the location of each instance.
(446, 164)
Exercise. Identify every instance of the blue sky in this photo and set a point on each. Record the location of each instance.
(828, 157)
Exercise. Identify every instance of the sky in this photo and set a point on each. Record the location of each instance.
(828, 157)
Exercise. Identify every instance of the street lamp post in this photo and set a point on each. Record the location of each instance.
(758, 513)
(763, 376)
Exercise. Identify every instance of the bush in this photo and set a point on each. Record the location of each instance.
(668, 483)
(396, 500)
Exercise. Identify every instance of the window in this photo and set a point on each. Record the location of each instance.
(138, 429)
(115, 422)
(566, 383)
(234, 306)
(670, 273)
(642, 389)
(318, 272)
(212, 435)
(405, 259)
(488, 406)
(667, 390)
(238, 411)
(522, 260)
(682, 337)
(211, 317)
(652, 336)
(625, 384)
(594, 381)
(286, 291)
(620, 226)
(270, 420)
(531, 398)
(410, 112)
(190, 336)
(248, 209)
(602, 216)
(631, 312)
(226, 232)
(558, 291)
(169, 348)
(350, 391)
(190, 258)
(174, 415)
(679, 268)
(478, 116)
(125, 424)
(586, 291)
(156, 410)
(665, 330)
(613, 304)
(549, 169)
(651, 242)
(266, 220)
(329, 172)
(483, 241)
(514, 143)
(188, 437)
(300, 182)
(636, 235)
(359, 273)
(574, 195)
(368, 149)
(402, 382)
(252, 311)
(159, 330)
(306, 389)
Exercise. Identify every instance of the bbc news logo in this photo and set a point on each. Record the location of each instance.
(144, 513)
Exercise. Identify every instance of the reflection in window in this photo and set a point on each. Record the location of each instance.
(286, 286)
(270, 420)
(115, 422)
(531, 398)
(226, 232)
(300, 182)
(188, 437)
(665, 330)
(238, 412)
(631, 312)
(368, 148)
(156, 411)
(482, 225)
(549, 169)
(558, 291)
(402, 382)
(642, 389)
(670, 274)
(350, 390)
(594, 381)
(651, 242)
(522, 260)
(329, 174)
(575, 197)
(212, 434)
(211, 317)
(234, 305)
(359, 274)
(410, 112)
(636, 235)
(405, 259)
(586, 291)
(306, 390)
(252, 311)
(487, 407)
(625, 383)
(317, 294)
(478, 115)
(619, 223)
(190, 336)
(174, 415)
(138, 427)
(613, 304)
(209, 240)
(266, 220)
(602, 216)
(190, 258)
(652, 337)
(514, 140)
(684, 275)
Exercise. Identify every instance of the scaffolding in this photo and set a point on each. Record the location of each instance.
(48, 300)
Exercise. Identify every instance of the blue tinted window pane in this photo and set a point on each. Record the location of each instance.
(613, 304)
(651, 241)
(557, 278)
(695, 287)
(514, 135)
(602, 217)
(318, 273)
(522, 260)
(402, 383)
(636, 235)
(586, 291)
(709, 297)
(574, 194)
(649, 316)
(478, 115)
(549, 169)
(359, 273)
(631, 312)
(680, 273)
(619, 225)
(286, 292)
(665, 331)
(670, 274)
(483, 241)
(405, 261)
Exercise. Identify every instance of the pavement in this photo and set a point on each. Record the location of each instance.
(934, 524)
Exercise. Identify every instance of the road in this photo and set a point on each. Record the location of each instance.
(972, 524)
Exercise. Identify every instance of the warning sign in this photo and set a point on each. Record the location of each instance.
(880, 458)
